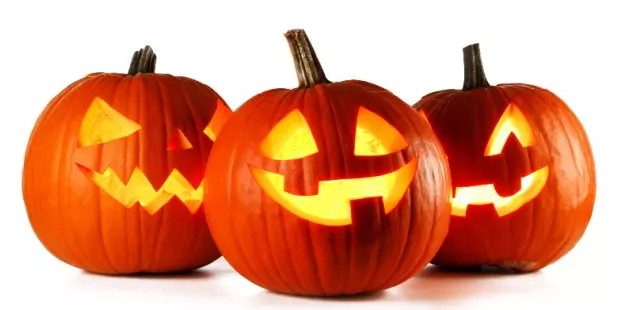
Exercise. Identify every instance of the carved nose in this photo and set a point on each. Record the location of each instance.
(515, 165)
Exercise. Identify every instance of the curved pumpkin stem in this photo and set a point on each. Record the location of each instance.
(474, 71)
(143, 61)
(307, 65)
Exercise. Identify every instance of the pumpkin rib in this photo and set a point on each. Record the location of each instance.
(301, 286)
(140, 151)
(550, 227)
(373, 171)
(566, 237)
(248, 262)
(114, 268)
(409, 195)
(569, 238)
(512, 92)
(323, 101)
(42, 119)
(320, 281)
(124, 84)
(273, 263)
(203, 148)
(158, 88)
(532, 213)
(425, 253)
(95, 82)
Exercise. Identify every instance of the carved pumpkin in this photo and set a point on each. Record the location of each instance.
(522, 171)
(113, 172)
(332, 188)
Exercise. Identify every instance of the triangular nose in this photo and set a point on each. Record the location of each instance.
(516, 165)
(178, 141)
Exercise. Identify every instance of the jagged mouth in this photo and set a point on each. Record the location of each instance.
(531, 186)
(139, 190)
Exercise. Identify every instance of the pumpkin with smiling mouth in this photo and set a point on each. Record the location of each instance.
(332, 188)
(522, 170)
(113, 174)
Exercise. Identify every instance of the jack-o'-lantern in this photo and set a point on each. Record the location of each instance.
(332, 188)
(113, 172)
(522, 169)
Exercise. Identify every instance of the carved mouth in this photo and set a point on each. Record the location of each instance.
(140, 190)
(531, 186)
(331, 206)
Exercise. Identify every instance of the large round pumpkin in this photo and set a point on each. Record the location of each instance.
(331, 188)
(113, 174)
(522, 171)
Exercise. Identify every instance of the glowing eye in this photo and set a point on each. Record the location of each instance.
(219, 118)
(291, 138)
(102, 124)
(375, 136)
(512, 121)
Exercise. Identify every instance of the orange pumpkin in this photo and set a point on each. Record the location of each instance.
(112, 179)
(522, 171)
(331, 188)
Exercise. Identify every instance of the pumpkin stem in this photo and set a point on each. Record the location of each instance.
(307, 65)
(474, 71)
(143, 61)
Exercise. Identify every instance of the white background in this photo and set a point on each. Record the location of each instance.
(238, 48)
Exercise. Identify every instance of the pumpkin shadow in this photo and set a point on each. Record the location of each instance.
(200, 282)
(447, 284)
(182, 275)
(280, 299)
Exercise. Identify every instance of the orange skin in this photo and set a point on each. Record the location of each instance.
(542, 230)
(282, 252)
(80, 223)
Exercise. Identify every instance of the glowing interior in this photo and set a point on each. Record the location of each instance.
(374, 136)
(102, 124)
(291, 138)
(531, 186)
(331, 205)
(139, 190)
(178, 141)
(219, 118)
(512, 121)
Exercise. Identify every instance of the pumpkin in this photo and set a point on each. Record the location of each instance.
(330, 188)
(113, 172)
(522, 169)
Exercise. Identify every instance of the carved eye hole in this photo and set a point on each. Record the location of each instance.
(102, 124)
(512, 121)
(219, 118)
(291, 138)
(375, 136)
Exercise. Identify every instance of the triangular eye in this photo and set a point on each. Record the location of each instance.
(512, 121)
(178, 141)
(375, 136)
(219, 118)
(291, 138)
(102, 124)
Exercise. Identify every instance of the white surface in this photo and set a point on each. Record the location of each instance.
(239, 50)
